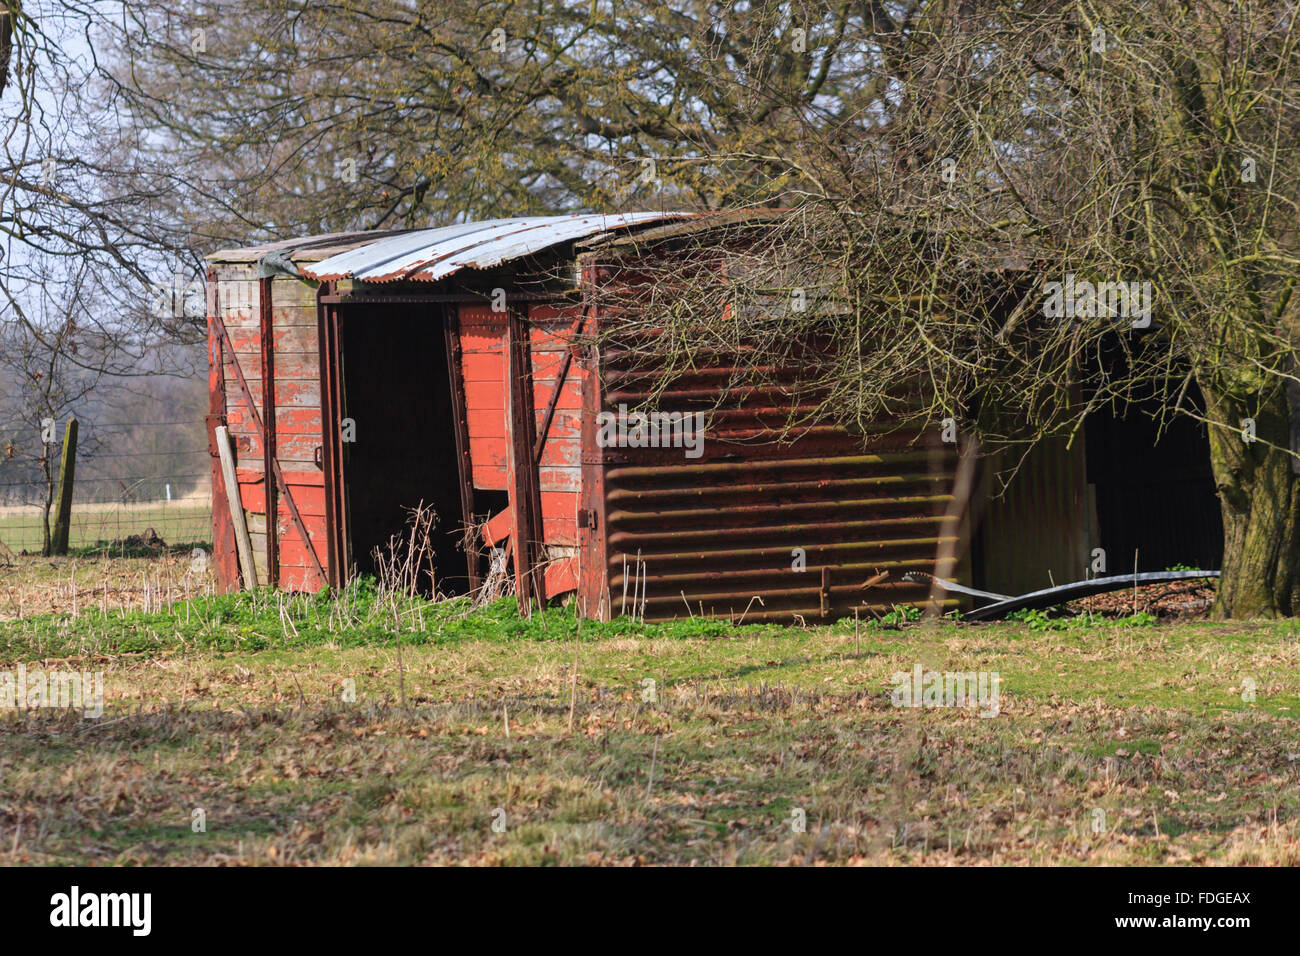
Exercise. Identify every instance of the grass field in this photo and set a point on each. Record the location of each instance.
(34, 585)
(97, 526)
(354, 729)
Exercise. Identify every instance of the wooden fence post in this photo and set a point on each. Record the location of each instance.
(244, 544)
(67, 475)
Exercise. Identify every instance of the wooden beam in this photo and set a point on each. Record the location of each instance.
(331, 402)
(225, 559)
(244, 544)
(267, 342)
(460, 427)
(525, 489)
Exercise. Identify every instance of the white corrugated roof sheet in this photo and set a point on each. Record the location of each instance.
(432, 254)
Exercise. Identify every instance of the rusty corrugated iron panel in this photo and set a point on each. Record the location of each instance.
(715, 537)
(432, 254)
(767, 524)
(697, 223)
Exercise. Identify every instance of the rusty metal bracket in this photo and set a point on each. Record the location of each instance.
(460, 428)
(525, 491)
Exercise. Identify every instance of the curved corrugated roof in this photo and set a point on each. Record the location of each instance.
(432, 254)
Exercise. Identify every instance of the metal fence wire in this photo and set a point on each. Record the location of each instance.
(154, 495)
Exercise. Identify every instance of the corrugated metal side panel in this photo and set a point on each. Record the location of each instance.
(722, 533)
(1037, 532)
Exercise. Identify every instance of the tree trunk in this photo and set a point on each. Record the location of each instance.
(1259, 494)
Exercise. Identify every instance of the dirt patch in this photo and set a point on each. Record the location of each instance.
(1167, 600)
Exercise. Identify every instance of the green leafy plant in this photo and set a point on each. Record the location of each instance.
(897, 616)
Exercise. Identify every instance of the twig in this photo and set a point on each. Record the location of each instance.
(651, 782)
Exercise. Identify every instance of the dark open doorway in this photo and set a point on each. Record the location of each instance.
(396, 392)
(1155, 491)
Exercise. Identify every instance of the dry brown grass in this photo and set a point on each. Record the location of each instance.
(1145, 726)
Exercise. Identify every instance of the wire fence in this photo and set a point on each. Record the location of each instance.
(140, 487)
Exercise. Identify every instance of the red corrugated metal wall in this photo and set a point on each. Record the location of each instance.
(727, 534)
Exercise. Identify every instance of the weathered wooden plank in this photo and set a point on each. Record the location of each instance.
(232, 271)
(294, 317)
(251, 365)
(239, 304)
(300, 419)
(566, 424)
(300, 579)
(484, 367)
(300, 464)
(259, 555)
(552, 312)
(310, 500)
(288, 291)
(560, 505)
(298, 366)
(301, 394)
(297, 448)
(561, 451)
(550, 339)
(489, 479)
(548, 365)
(484, 396)
(286, 338)
(561, 478)
(252, 491)
(486, 424)
(561, 576)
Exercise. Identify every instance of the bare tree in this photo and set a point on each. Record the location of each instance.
(298, 117)
(84, 235)
(1135, 167)
(42, 385)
